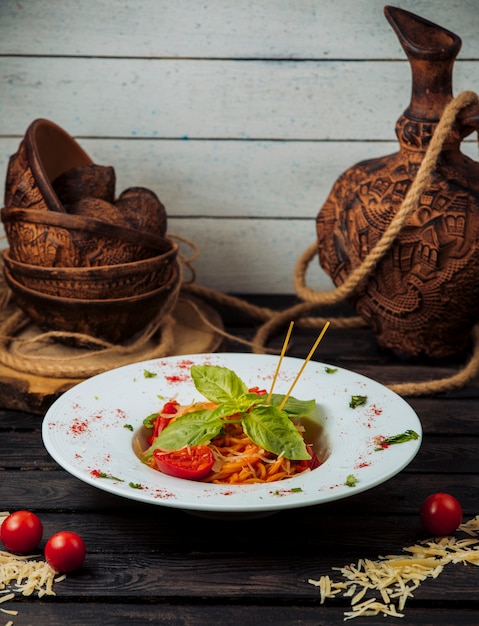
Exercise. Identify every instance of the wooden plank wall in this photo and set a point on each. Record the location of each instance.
(239, 114)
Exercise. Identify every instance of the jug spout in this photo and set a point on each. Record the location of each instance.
(431, 51)
(420, 37)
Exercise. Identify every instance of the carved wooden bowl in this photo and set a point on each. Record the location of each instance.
(115, 320)
(45, 153)
(52, 239)
(120, 280)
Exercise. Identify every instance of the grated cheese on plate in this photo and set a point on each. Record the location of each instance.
(396, 577)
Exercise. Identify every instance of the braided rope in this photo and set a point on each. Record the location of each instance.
(406, 209)
(312, 299)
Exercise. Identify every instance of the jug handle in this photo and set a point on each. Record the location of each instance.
(468, 120)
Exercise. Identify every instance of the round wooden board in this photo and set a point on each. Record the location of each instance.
(23, 391)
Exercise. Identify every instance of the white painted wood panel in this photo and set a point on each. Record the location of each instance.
(250, 256)
(311, 100)
(273, 29)
(240, 114)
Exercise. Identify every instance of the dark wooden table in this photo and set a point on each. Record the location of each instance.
(153, 564)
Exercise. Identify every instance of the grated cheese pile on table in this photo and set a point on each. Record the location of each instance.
(24, 574)
(395, 577)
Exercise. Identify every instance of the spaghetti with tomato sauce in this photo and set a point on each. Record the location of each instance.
(231, 457)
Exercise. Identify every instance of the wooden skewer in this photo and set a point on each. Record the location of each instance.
(283, 351)
(311, 352)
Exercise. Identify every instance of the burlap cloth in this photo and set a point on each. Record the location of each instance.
(25, 349)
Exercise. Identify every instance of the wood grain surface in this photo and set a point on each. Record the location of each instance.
(155, 564)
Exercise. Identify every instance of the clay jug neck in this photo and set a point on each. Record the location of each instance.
(431, 51)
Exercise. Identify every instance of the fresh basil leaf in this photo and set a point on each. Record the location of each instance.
(191, 429)
(218, 384)
(228, 409)
(273, 431)
(248, 400)
(294, 407)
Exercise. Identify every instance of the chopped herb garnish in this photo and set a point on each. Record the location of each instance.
(135, 485)
(128, 427)
(330, 370)
(357, 401)
(99, 474)
(351, 480)
(407, 435)
(282, 492)
(148, 374)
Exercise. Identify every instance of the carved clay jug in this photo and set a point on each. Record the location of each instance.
(422, 299)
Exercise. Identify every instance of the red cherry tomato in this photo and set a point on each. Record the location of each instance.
(193, 463)
(160, 424)
(315, 462)
(440, 514)
(257, 391)
(21, 532)
(65, 551)
(170, 408)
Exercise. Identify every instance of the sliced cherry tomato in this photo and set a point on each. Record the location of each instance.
(257, 391)
(170, 408)
(193, 463)
(21, 532)
(65, 551)
(310, 464)
(440, 514)
(160, 424)
(315, 462)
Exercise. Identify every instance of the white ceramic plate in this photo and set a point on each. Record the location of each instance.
(88, 431)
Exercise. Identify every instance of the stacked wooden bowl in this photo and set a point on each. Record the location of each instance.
(79, 259)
